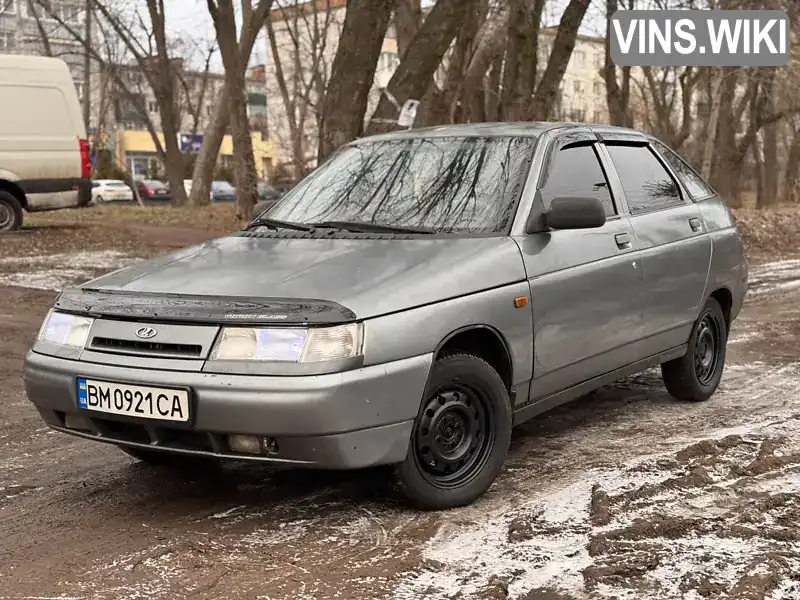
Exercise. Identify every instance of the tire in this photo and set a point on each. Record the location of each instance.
(467, 404)
(99, 200)
(10, 212)
(696, 375)
(156, 458)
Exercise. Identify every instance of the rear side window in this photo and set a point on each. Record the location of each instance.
(647, 184)
(693, 183)
(576, 172)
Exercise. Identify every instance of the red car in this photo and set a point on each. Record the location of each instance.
(153, 190)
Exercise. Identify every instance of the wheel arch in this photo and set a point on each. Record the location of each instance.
(724, 297)
(16, 191)
(483, 341)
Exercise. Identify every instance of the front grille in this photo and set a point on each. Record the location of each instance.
(139, 347)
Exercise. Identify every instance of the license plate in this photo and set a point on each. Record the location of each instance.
(133, 400)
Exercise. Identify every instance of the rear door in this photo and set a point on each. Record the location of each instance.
(675, 245)
(586, 285)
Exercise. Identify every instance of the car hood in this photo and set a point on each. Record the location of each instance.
(361, 277)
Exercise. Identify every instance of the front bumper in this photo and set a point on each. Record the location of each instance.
(343, 420)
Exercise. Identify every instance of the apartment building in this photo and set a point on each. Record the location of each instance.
(26, 28)
(582, 95)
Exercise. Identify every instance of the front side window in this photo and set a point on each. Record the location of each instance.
(693, 183)
(576, 172)
(448, 184)
(646, 183)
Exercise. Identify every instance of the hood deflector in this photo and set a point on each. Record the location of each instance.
(202, 309)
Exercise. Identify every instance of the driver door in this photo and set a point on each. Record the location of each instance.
(586, 285)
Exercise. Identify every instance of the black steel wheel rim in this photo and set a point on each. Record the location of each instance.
(707, 346)
(6, 215)
(454, 435)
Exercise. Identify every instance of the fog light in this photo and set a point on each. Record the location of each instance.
(246, 444)
(72, 421)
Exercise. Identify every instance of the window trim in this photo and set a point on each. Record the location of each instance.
(560, 144)
(645, 143)
(712, 194)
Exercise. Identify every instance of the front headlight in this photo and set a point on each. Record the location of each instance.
(63, 329)
(285, 344)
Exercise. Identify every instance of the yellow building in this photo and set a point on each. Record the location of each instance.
(135, 150)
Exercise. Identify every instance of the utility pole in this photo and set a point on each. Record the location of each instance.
(87, 67)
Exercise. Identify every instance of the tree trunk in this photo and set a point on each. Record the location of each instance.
(563, 45)
(769, 191)
(617, 97)
(519, 74)
(352, 73)
(203, 172)
(164, 78)
(407, 17)
(489, 48)
(244, 170)
(791, 177)
(414, 74)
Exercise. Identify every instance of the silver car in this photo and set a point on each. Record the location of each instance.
(407, 304)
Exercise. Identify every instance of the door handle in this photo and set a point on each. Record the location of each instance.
(623, 241)
(695, 224)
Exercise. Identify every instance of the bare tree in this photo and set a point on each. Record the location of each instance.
(144, 39)
(424, 56)
(299, 46)
(253, 19)
(353, 72)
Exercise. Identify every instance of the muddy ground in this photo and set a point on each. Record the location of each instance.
(623, 494)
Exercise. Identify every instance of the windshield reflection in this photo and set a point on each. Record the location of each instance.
(450, 184)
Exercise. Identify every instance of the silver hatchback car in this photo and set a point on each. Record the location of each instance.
(407, 304)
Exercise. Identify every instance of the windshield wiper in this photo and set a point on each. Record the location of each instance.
(276, 224)
(359, 227)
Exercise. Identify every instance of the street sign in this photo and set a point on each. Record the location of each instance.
(190, 142)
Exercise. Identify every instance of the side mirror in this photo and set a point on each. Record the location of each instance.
(575, 213)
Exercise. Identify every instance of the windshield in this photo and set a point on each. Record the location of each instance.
(222, 186)
(451, 184)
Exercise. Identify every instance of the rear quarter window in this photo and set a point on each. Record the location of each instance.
(694, 184)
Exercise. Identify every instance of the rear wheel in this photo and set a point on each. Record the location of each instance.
(696, 375)
(10, 212)
(165, 459)
(461, 435)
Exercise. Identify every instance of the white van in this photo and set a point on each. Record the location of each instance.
(44, 153)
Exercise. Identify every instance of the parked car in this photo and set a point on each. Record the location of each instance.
(153, 190)
(272, 191)
(111, 190)
(222, 191)
(44, 151)
(407, 303)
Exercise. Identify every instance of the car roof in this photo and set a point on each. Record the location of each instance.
(513, 129)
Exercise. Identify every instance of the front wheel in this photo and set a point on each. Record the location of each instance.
(696, 375)
(10, 212)
(460, 437)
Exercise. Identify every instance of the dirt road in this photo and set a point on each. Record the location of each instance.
(622, 494)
